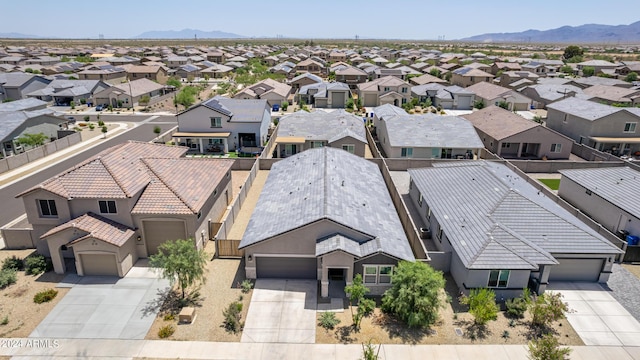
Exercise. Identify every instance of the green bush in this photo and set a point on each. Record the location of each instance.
(547, 308)
(516, 307)
(87, 118)
(328, 320)
(547, 348)
(232, 315)
(168, 317)
(45, 296)
(7, 277)
(13, 263)
(5, 320)
(100, 123)
(482, 305)
(166, 331)
(246, 285)
(36, 264)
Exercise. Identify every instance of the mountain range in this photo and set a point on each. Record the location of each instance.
(589, 33)
(14, 35)
(187, 34)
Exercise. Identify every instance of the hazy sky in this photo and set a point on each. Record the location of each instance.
(395, 19)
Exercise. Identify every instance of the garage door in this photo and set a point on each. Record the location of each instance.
(370, 100)
(286, 268)
(338, 100)
(158, 232)
(99, 264)
(576, 270)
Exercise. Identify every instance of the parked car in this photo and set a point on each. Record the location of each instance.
(100, 107)
(71, 119)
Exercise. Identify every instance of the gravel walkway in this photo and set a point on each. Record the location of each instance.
(626, 289)
(241, 222)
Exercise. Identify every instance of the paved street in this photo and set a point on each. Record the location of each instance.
(12, 208)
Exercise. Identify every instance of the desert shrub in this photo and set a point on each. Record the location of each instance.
(45, 296)
(5, 320)
(246, 285)
(328, 320)
(232, 315)
(516, 307)
(100, 123)
(86, 118)
(168, 317)
(13, 263)
(166, 331)
(482, 305)
(547, 348)
(7, 277)
(36, 264)
(547, 308)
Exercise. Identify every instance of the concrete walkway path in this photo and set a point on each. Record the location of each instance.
(596, 316)
(160, 349)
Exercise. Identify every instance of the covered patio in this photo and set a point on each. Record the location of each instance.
(204, 142)
(618, 146)
(288, 146)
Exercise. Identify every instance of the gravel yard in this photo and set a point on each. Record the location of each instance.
(16, 302)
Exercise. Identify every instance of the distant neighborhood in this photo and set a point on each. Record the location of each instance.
(323, 167)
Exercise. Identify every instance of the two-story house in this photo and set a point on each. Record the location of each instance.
(123, 203)
(467, 76)
(156, 73)
(385, 90)
(447, 97)
(351, 76)
(268, 89)
(220, 125)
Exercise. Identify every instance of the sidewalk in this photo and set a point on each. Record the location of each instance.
(11, 176)
(162, 349)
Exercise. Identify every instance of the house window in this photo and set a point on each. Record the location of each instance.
(216, 122)
(349, 148)
(420, 200)
(404, 90)
(556, 148)
(386, 88)
(506, 145)
(107, 206)
(377, 274)
(316, 144)
(406, 152)
(498, 278)
(404, 101)
(48, 208)
(630, 127)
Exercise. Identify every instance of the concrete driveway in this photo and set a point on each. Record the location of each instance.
(104, 307)
(596, 316)
(282, 311)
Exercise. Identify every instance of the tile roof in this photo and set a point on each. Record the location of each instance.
(589, 110)
(374, 85)
(618, 185)
(320, 125)
(95, 227)
(498, 122)
(329, 184)
(488, 90)
(431, 131)
(240, 110)
(388, 110)
(12, 120)
(495, 219)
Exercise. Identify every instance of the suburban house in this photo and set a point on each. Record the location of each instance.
(303, 130)
(511, 136)
(543, 67)
(467, 76)
(221, 125)
(187, 71)
(344, 224)
(129, 94)
(613, 95)
(156, 73)
(384, 111)
(107, 73)
(447, 97)
(303, 80)
(273, 91)
(351, 76)
(325, 95)
(597, 65)
(518, 79)
(607, 195)
(428, 137)
(18, 123)
(491, 94)
(63, 92)
(426, 79)
(385, 90)
(28, 104)
(16, 86)
(603, 127)
(120, 205)
(502, 67)
(502, 233)
(312, 66)
(545, 94)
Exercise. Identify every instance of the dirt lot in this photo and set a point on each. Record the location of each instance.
(385, 329)
(16, 301)
(222, 288)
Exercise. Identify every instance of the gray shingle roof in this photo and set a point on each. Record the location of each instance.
(320, 125)
(495, 219)
(432, 131)
(13, 120)
(388, 110)
(588, 110)
(617, 185)
(22, 105)
(240, 110)
(330, 184)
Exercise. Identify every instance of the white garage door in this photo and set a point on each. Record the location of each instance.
(99, 264)
(158, 232)
(338, 100)
(576, 270)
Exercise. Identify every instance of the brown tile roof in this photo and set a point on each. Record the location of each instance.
(95, 227)
(113, 173)
(180, 186)
(487, 90)
(498, 122)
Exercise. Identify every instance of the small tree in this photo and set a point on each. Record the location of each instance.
(285, 105)
(356, 292)
(435, 72)
(567, 69)
(547, 348)
(145, 100)
(32, 139)
(157, 130)
(478, 104)
(414, 295)
(104, 131)
(631, 77)
(546, 309)
(482, 305)
(572, 51)
(180, 261)
(73, 105)
(588, 71)
(503, 104)
(349, 104)
(174, 82)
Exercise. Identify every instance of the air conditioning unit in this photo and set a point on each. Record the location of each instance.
(425, 233)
